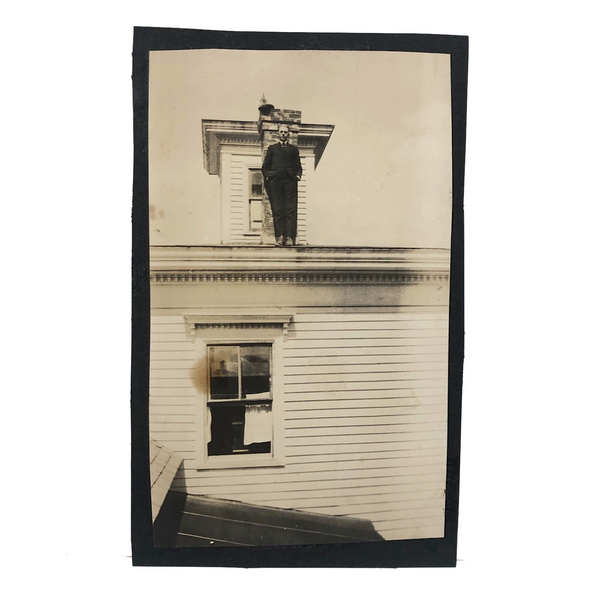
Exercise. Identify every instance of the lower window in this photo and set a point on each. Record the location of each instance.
(240, 399)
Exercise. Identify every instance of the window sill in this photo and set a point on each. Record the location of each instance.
(234, 462)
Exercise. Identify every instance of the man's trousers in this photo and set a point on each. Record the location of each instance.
(283, 196)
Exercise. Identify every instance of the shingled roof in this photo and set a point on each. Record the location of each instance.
(163, 467)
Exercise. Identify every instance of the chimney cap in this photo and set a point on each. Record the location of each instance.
(265, 108)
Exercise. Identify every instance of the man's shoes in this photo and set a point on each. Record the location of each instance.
(284, 241)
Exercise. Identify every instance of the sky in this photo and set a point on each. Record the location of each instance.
(385, 177)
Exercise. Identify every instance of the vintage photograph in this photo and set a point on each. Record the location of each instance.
(300, 214)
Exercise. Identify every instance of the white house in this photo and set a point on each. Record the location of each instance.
(303, 388)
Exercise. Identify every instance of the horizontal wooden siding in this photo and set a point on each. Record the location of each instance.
(365, 419)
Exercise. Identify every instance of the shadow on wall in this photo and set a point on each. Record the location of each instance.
(198, 376)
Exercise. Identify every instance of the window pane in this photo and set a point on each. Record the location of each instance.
(224, 371)
(239, 429)
(256, 371)
(255, 215)
(227, 429)
(256, 184)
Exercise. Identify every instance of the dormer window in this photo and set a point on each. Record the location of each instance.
(234, 151)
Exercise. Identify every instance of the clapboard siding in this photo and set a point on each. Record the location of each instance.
(364, 419)
(170, 414)
(359, 335)
(405, 394)
(405, 313)
(230, 487)
(356, 435)
(170, 356)
(359, 362)
(348, 375)
(343, 480)
(383, 344)
(313, 472)
(364, 502)
(172, 394)
(352, 369)
(361, 502)
(370, 388)
(327, 450)
(385, 503)
(361, 458)
(170, 365)
(311, 423)
(340, 412)
(423, 432)
(397, 431)
(402, 351)
(248, 477)
(306, 428)
(403, 324)
(335, 448)
(342, 495)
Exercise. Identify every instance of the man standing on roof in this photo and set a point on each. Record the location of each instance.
(282, 171)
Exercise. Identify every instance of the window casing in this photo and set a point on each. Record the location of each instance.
(252, 376)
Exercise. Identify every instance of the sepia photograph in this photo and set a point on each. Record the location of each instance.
(295, 333)
(300, 221)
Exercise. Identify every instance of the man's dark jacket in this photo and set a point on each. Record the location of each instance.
(280, 161)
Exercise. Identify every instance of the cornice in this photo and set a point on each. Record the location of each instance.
(238, 320)
(216, 133)
(299, 265)
(298, 278)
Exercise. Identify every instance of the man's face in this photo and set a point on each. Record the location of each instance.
(284, 133)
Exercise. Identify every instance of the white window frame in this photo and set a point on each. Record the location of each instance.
(249, 231)
(245, 329)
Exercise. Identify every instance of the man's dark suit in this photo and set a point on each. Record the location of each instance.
(282, 170)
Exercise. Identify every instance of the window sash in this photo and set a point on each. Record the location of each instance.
(242, 393)
(236, 337)
(255, 196)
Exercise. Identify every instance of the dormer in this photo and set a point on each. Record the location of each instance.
(234, 150)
